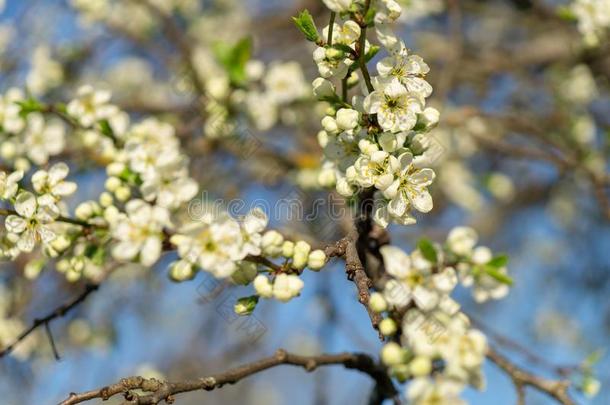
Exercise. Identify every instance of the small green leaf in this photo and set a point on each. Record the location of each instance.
(369, 18)
(593, 358)
(343, 47)
(494, 273)
(305, 23)
(427, 249)
(498, 261)
(29, 105)
(373, 50)
(234, 58)
(106, 129)
(565, 13)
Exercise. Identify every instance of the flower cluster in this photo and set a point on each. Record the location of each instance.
(262, 95)
(375, 142)
(228, 247)
(438, 348)
(26, 137)
(593, 18)
(34, 215)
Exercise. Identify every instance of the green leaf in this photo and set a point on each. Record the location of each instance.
(373, 50)
(343, 47)
(305, 23)
(369, 18)
(234, 58)
(593, 358)
(29, 105)
(427, 249)
(566, 13)
(106, 129)
(494, 273)
(498, 261)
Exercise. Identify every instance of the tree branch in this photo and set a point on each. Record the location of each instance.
(58, 312)
(557, 389)
(163, 390)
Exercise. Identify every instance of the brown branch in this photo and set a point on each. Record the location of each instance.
(356, 273)
(556, 389)
(58, 312)
(158, 391)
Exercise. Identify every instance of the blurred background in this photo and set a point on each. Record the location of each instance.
(523, 149)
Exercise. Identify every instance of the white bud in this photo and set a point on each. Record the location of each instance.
(378, 303)
(286, 287)
(344, 188)
(111, 214)
(115, 168)
(392, 354)
(122, 193)
(263, 286)
(482, 255)
(8, 150)
(420, 366)
(323, 88)
(323, 138)
(288, 249)
(316, 259)
(181, 271)
(272, 243)
(367, 147)
(84, 211)
(112, 183)
(590, 387)
(301, 254)
(347, 119)
(60, 243)
(430, 117)
(461, 240)
(387, 327)
(327, 177)
(330, 125)
(106, 199)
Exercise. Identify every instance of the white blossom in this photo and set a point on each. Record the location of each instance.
(395, 107)
(139, 232)
(35, 214)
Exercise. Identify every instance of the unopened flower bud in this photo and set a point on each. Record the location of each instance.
(378, 303)
(263, 286)
(112, 183)
(392, 354)
(122, 193)
(323, 88)
(347, 119)
(301, 254)
(387, 327)
(420, 366)
(181, 271)
(288, 249)
(316, 260)
(330, 125)
(245, 306)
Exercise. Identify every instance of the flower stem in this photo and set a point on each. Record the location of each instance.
(331, 26)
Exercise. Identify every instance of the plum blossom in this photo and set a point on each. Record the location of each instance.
(31, 224)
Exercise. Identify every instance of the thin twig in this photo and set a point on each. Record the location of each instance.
(58, 312)
(557, 389)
